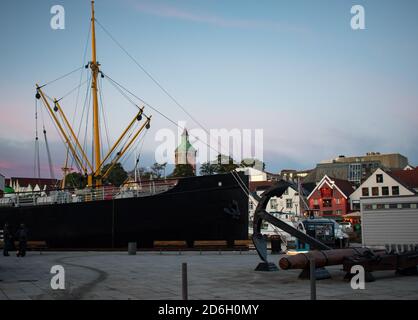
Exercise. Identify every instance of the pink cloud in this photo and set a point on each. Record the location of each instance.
(163, 10)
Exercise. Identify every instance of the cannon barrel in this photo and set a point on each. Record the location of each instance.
(323, 258)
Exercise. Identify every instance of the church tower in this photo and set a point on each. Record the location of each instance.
(185, 153)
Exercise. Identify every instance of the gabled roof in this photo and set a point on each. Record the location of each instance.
(344, 186)
(395, 175)
(409, 178)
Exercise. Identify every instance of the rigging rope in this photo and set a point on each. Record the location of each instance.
(78, 96)
(37, 166)
(150, 76)
(164, 90)
(51, 170)
(104, 113)
(72, 90)
(62, 77)
(235, 174)
(247, 191)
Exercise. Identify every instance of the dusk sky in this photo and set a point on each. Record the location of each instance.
(294, 68)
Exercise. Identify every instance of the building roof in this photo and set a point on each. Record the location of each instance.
(24, 182)
(344, 186)
(407, 177)
(185, 145)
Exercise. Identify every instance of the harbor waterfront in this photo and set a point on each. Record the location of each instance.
(209, 157)
(157, 276)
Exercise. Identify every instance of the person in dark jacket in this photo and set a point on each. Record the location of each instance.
(7, 240)
(22, 237)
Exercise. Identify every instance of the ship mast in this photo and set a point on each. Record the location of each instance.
(93, 169)
(94, 66)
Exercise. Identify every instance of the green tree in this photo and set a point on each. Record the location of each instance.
(253, 163)
(225, 164)
(75, 180)
(208, 169)
(158, 169)
(183, 170)
(117, 175)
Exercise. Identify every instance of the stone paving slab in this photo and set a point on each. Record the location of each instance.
(149, 275)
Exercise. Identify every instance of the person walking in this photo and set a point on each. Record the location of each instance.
(7, 240)
(22, 237)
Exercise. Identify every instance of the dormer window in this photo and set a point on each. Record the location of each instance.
(379, 178)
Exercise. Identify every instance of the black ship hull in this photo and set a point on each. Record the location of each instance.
(197, 208)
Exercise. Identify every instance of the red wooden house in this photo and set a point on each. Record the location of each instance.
(330, 198)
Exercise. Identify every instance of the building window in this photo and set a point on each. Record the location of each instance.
(379, 178)
(385, 191)
(327, 203)
(354, 172)
(338, 201)
(339, 212)
(316, 202)
(289, 203)
(367, 207)
(365, 192)
(273, 204)
(375, 191)
(327, 213)
(395, 191)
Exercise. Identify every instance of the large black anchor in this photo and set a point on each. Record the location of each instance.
(260, 215)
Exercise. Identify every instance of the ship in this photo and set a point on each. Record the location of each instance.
(195, 208)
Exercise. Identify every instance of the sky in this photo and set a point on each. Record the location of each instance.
(295, 69)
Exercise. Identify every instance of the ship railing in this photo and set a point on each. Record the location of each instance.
(131, 190)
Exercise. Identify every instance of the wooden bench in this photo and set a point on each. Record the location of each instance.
(202, 245)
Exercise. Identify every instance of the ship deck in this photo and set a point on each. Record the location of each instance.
(154, 275)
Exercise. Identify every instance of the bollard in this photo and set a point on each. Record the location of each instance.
(184, 281)
(312, 277)
(132, 248)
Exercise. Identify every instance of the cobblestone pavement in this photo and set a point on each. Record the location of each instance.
(153, 275)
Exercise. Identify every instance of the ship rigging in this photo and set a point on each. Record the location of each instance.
(94, 169)
(211, 207)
